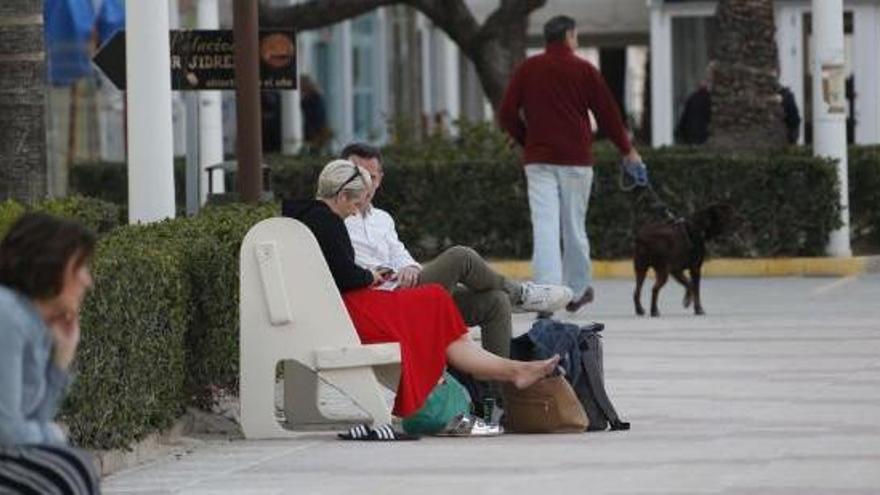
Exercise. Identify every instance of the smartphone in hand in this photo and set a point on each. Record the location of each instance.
(385, 272)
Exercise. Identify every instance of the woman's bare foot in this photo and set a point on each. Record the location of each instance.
(529, 372)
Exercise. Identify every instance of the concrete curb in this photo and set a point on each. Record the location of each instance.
(188, 433)
(154, 446)
(726, 267)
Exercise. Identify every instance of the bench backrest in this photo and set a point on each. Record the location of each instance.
(287, 288)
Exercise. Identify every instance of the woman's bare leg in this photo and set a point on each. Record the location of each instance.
(465, 355)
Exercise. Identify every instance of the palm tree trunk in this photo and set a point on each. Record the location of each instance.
(746, 108)
(22, 101)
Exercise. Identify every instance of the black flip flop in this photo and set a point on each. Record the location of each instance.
(383, 433)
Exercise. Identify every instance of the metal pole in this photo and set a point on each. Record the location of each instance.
(149, 124)
(661, 76)
(247, 100)
(291, 115)
(829, 106)
(193, 172)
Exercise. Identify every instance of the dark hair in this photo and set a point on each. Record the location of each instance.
(362, 150)
(555, 28)
(37, 249)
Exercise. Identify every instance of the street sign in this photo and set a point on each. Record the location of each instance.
(204, 59)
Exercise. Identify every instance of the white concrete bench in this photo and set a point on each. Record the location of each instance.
(291, 312)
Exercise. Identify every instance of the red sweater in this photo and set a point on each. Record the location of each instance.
(555, 92)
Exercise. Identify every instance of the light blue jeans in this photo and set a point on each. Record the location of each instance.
(559, 196)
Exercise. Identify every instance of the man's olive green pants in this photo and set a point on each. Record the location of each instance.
(483, 296)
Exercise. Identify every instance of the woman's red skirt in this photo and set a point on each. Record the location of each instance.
(424, 320)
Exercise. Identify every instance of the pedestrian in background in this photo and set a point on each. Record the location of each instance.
(693, 125)
(316, 131)
(546, 109)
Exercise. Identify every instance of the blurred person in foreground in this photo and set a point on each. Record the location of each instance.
(44, 277)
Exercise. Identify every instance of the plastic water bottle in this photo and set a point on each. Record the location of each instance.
(488, 409)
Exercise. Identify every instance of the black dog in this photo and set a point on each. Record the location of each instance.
(673, 247)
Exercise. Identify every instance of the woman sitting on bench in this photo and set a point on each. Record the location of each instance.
(424, 320)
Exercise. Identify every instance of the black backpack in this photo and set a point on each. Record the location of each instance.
(581, 351)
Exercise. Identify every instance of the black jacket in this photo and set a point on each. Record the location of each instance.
(314, 116)
(693, 126)
(333, 238)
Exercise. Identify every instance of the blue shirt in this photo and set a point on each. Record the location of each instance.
(31, 385)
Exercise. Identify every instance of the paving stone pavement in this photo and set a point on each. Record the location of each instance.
(776, 391)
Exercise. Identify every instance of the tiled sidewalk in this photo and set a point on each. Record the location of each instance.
(776, 391)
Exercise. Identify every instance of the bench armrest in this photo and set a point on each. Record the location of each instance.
(355, 356)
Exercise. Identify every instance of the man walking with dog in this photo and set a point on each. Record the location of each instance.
(546, 109)
(483, 296)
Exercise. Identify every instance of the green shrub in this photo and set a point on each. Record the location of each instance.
(103, 180)
(789, 201)
(109, 181)
(211, 263)
(864, 198)
(100, 216)
(471, 190)
(10, 210)
(130, 363)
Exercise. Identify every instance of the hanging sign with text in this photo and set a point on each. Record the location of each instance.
(205, 59)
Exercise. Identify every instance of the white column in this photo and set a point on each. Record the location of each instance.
(636, 57)
(662, 120)
(427, 66)
(150, 139)
(111, 110)
(866, 67)
(346, 134)
(291, 122)
(790, 40)
(382, 100)
(451, 77)
(291, 116)
(445, 87)
(210, 110)
(829, 105)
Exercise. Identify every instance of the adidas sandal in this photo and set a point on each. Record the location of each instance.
(383, 433)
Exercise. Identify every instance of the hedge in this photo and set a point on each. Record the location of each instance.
(864, 198)
(789, 201)
(471, 190)
(108, 181)
(213, 240)
(100, 216)
(131, 362)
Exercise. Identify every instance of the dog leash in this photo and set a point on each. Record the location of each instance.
(633, 176)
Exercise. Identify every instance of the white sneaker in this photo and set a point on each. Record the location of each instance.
(544, 298)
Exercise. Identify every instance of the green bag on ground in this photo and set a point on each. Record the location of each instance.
(447, 400)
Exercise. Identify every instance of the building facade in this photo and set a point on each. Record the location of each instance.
(682, 33)
(393, 68)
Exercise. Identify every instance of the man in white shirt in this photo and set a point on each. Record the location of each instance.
(483, 296)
